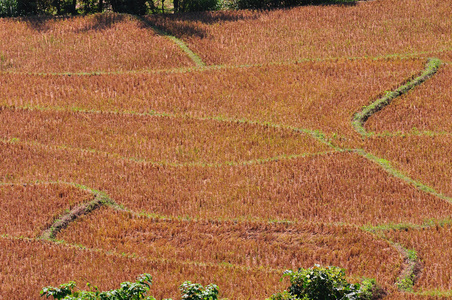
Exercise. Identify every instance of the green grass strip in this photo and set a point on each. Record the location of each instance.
(251, 162)
(386, 165)
(193, 56)
(203, 67)
(411, 268)
(434, 293)
(361, 117)
(83, 209)
(405, 226)
(316, 134)
(100, 199)
(412, 132)
(407, 279)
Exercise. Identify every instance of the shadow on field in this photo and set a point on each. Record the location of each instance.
(335, 2)
(100, 22)
(190, 24)
(96, 22)
(38, 23)
(179, 25)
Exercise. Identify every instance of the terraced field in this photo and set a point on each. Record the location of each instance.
(227, 147)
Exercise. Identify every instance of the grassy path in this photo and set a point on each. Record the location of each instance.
(361, 117)
(193, 56)
(410, 269)
(200, 67)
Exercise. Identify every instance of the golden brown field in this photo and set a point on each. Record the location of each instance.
(280, 95)
(434, 250)
(27, 210)
(424, 109)
(98, 43)
(369, 29)
(235, 146)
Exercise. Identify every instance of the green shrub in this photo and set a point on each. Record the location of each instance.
(129, 291)
(196, 5)
(267, 4)
(134, 7)
(264, 4)
(195, 291)
(321, 283)
(8, 8)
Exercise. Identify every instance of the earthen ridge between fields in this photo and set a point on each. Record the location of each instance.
(412, 265)
(176, 165)
(192, 55)
(361, 117)
(100, 199)
(202, 68)
(141, 258)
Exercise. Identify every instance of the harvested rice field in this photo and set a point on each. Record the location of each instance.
(227, 147)
(368, 29)
(98, 43)
(425, 109)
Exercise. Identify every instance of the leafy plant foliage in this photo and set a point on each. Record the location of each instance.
(267, 4)
(196, 5)
(129, 291)
(195, 291)
(8, 8)
(320, 283)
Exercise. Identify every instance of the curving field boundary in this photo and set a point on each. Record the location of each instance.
(100, 199)
(193, 56)
(386, 165)
(361, 117)
(316, 134)
(202, 67)
(411, 266)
